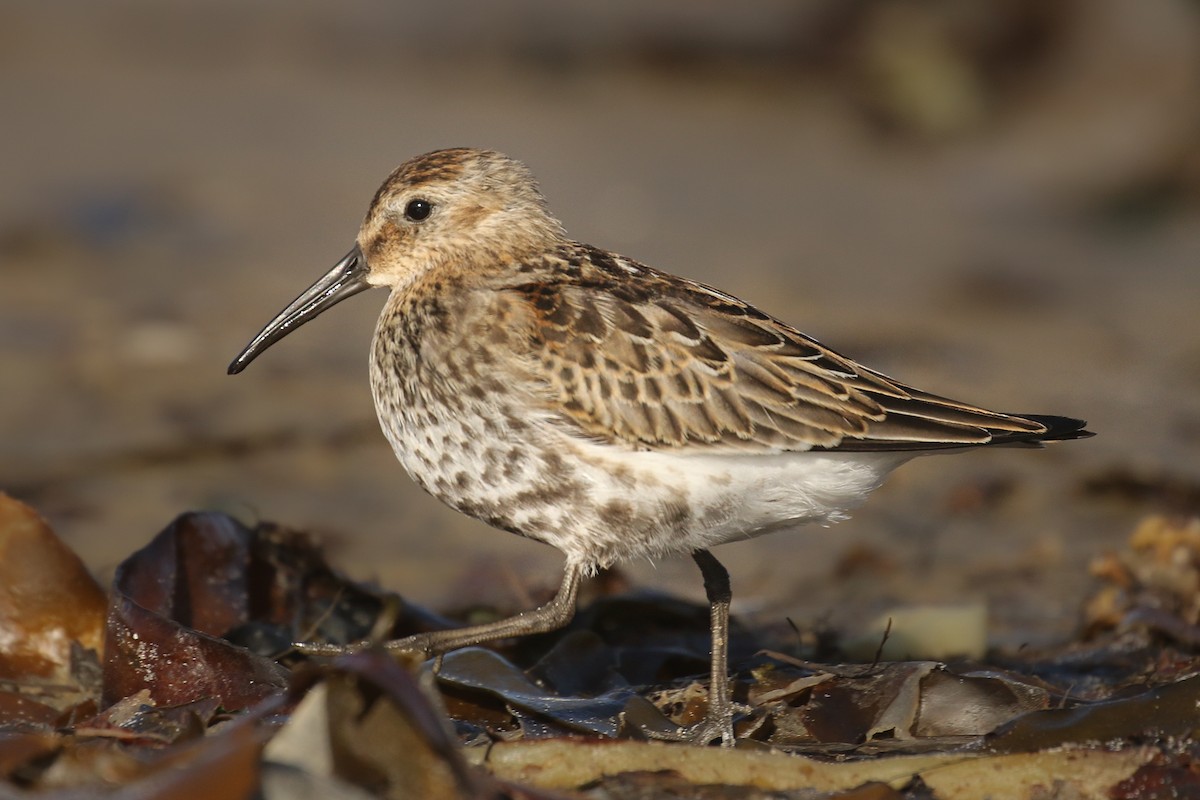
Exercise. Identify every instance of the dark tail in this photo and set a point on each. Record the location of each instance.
(1057, 429)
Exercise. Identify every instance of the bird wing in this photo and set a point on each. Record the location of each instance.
(638, 356)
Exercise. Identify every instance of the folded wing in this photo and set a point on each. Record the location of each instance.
(658, 362)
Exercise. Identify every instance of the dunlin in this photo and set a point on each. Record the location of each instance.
(582, 399)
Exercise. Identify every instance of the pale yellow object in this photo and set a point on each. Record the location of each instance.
(933, 633)
(567, 764)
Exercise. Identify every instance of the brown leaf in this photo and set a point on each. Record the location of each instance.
(18, 749)
(216, 767)
(1168, 710)
(170, 602)
(137, 719)
(47, 598)
(374, 727)
(20, 712)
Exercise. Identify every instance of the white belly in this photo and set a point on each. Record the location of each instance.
(681, 503)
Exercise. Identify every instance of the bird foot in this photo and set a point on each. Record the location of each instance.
(331, 650)
(326, 649)
(717, 724)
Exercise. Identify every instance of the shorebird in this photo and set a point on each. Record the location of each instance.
(580, 398)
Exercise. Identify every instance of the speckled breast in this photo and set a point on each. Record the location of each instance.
(460, 421)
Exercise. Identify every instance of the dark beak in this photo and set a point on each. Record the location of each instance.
(347, 278)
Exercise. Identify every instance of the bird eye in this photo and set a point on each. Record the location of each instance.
(417, 210)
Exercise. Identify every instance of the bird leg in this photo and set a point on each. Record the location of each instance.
(718, 722)
(551, 616)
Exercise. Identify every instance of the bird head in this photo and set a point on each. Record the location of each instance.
(460, 212)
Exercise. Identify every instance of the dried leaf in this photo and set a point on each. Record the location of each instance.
(170, 601)
(20, 748)
(1168, 710)
(47, 598)
(137, 719)
(385, 736)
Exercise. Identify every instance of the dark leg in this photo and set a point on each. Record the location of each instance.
(553, 615)
(719, 720)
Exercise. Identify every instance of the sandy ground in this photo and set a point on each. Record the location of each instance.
(172, 176)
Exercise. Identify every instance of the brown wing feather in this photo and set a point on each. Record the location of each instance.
(658, 362)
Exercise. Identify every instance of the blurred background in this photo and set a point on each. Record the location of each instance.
(996, 200)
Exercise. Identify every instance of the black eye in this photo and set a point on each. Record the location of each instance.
(417, 210)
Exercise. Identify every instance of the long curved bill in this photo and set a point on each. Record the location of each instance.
(347, 278)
